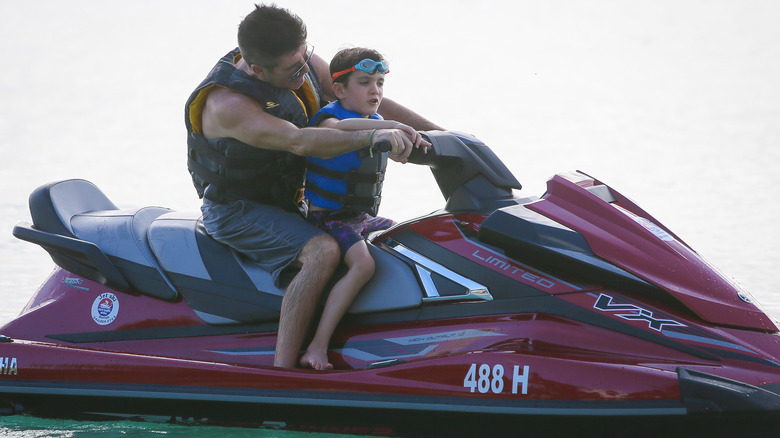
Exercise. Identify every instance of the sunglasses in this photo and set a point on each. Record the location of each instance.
(367, 65)
(306, 61)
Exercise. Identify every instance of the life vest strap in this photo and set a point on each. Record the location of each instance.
(349, 202)
(352, 177)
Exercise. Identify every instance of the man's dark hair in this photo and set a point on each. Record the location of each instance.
(347, 58)
(269, 32)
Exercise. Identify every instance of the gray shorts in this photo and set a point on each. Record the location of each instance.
(268, 235)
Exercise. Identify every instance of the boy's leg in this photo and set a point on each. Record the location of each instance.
(361, 268)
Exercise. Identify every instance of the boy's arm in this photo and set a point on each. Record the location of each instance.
(357, 124)
(360, 124)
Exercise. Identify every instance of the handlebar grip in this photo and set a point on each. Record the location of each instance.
(383, 146)
(420, 156)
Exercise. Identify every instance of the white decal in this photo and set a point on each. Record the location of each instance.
(648, 225)
(483, 378)
(520, 378)
(635, 313)
(105, 308)
(442, 336)
(75, 283)
(516, 271)
(8, 365)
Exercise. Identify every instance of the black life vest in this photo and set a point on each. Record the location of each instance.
(351, 182)
(226, 169)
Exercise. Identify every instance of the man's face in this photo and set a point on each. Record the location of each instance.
(290, 69)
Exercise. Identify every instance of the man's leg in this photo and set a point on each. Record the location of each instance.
(361, 268)
(319, 259)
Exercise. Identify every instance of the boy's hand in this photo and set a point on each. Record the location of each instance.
(414, 136)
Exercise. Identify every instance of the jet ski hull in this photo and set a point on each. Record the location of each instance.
(497, 313)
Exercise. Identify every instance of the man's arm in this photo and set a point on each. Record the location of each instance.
(231, 114)
(392, 110)
(323, 73)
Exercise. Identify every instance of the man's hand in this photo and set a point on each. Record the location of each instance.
(400, 143)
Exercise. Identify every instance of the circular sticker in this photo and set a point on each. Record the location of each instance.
(105, 308)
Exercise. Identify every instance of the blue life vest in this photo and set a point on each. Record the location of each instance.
(226, 169)
(351, 182)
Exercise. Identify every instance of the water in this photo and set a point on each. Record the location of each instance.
(674, 103)
(22, 426)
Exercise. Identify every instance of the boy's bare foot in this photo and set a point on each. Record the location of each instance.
(317, 361)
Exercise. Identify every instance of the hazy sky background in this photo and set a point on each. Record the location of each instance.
(674, 103)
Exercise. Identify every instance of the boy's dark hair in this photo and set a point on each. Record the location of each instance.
(269, 32)
(347, 58)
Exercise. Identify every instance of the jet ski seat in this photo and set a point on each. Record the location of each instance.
(87, 234)
(224, 287)
(168, 255)
(214, 280)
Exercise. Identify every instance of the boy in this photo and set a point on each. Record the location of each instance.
(344, 191)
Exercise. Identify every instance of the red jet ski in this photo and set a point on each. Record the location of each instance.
(497, 313)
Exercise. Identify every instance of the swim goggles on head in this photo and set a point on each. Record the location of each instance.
(367, 65)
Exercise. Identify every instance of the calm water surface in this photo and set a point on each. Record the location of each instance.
(674, 103)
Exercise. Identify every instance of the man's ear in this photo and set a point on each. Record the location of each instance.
(338, 89)
(259, 71)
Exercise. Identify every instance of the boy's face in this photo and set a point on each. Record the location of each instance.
(362, 92)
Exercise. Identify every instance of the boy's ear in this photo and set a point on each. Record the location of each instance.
(338, 89)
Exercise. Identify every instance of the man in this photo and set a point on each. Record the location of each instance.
(247, 138)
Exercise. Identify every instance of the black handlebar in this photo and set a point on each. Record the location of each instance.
(383, 146)
(418, 155)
